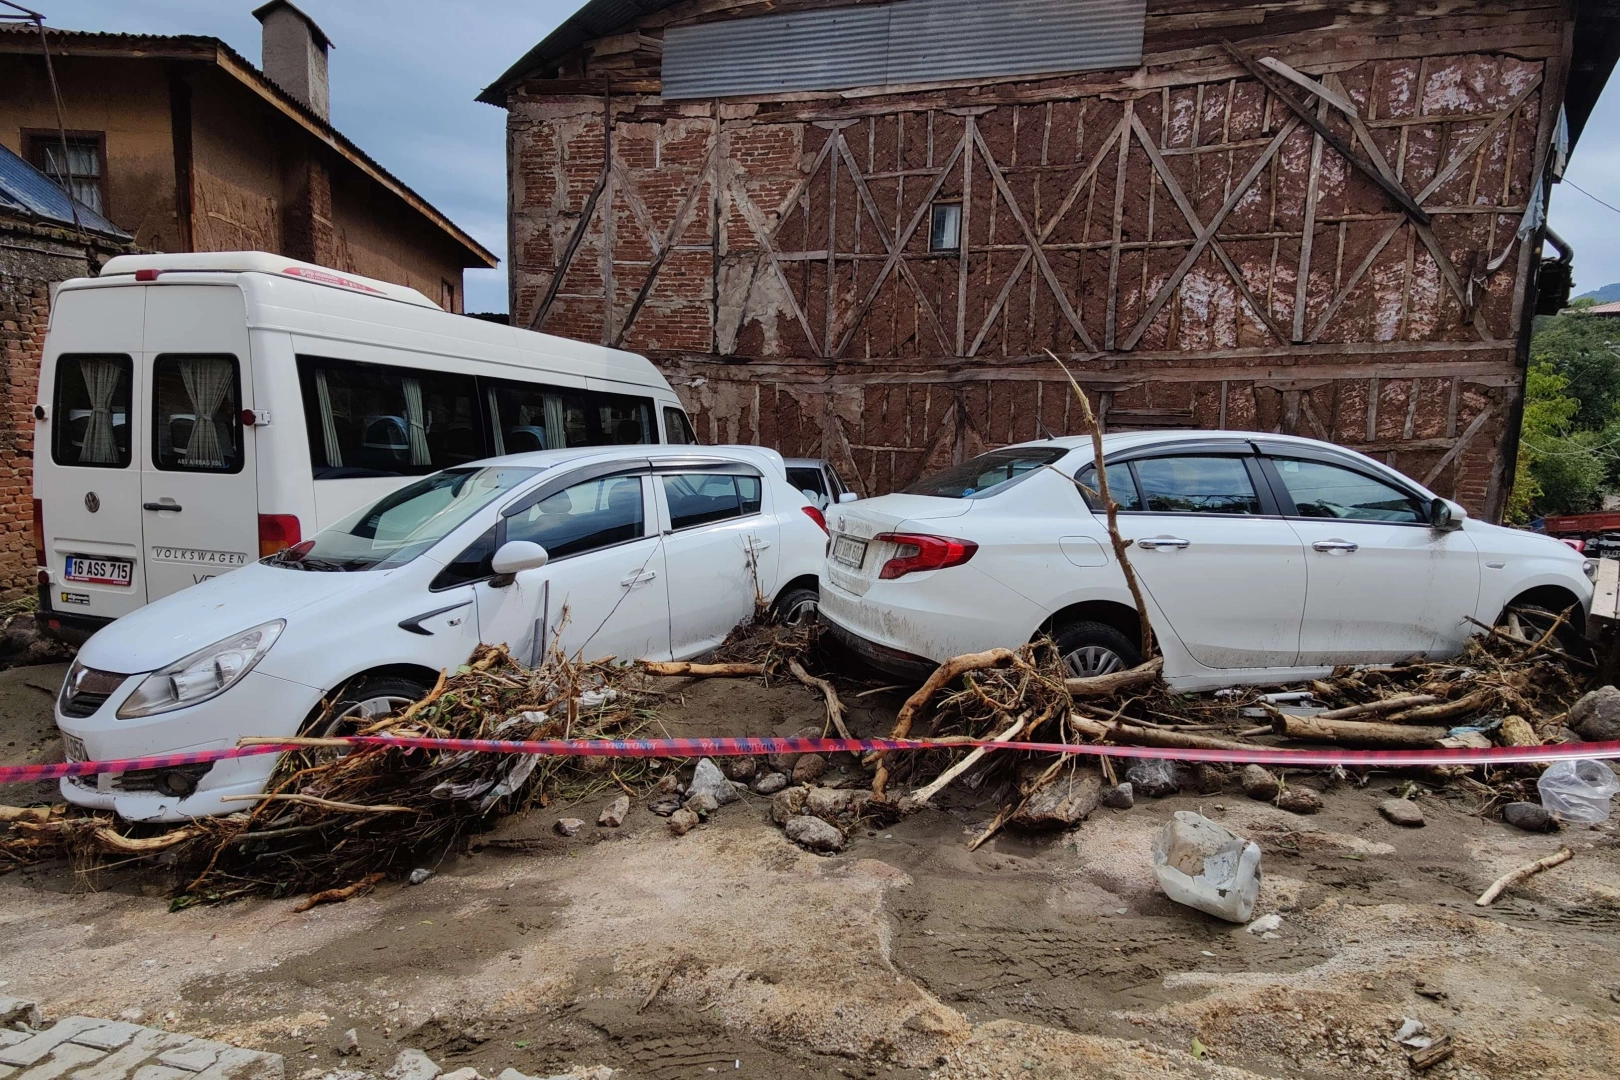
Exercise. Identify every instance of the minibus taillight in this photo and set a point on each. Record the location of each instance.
(277, 532)
(39, 534)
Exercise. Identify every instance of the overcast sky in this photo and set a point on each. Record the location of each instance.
(405, 72)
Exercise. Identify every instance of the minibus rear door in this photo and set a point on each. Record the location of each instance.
(199, 495)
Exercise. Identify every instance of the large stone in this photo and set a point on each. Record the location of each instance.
(741, 769)
(1259, 783)
(809, 767)
(1207, 779)
(1119, 797)
(1529, 816)
(813, 834)
(701, 803)
(612, 815)
(1516, 731)
(1300, 800)
(18, 1010)
(788, 803)
(1596, 716)
(682, 822)
(1154, 777)
(769, 783)
(710, 780)
(1062, 804)
(1402, 812)
(827, 803)
(413, 1065)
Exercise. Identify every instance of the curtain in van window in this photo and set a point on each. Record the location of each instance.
(417, 421)
(101, 379)
(556, 423)
(329, 435)
(207, 382)
(495, 421)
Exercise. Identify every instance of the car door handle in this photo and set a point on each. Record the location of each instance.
(1154, 543)
(172, 507)
(640, 577)
(1345, 546)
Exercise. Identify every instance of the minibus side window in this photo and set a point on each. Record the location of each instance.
(624, 420)
(527, 416)
(196, 414)
(677, 428)
(91, 416)
(381, 420)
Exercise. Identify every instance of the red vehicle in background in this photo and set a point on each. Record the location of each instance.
(1596, 534)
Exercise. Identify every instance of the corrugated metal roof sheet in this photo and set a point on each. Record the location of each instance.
(27, 191)
(909, 41)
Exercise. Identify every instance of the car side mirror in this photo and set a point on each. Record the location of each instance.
(848, 497)
(1446, 516)
(514, 557)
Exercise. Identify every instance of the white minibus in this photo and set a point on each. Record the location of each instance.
(197, 412)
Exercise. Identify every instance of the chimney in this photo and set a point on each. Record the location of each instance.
(294, 55)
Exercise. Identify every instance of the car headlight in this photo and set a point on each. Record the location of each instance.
(1589, 567)
(204, 674)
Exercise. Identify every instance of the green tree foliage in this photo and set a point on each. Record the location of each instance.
(1562, 468)
(1585, 350)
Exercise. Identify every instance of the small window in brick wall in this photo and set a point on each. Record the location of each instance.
(945, 230)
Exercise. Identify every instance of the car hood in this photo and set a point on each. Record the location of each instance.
(181, 623)
(868, 517)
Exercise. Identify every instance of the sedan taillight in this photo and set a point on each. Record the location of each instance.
(925, 553)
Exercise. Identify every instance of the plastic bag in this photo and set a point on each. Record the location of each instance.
(1578, 791)
(1206, 866)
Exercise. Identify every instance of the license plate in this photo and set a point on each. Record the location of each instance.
(849, 551)
(99, 571)
(73, 748)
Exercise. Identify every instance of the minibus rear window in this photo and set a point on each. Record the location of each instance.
(376, 420)
(196, 414)
(91, 417)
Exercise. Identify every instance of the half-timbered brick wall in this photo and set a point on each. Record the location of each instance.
(1185, 240)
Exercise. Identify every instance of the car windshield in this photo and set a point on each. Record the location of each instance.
(401, 525)
(986, 474)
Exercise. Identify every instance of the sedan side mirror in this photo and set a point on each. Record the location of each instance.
(514, 557)
(848, 497)
(1446, 516)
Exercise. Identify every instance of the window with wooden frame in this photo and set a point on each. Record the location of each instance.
(945, 227)
(82, 169)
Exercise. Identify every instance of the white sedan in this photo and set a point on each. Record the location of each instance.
(1263, 559)
(652, 552)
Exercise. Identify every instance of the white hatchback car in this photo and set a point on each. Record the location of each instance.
(1264, 559)
(650, 552)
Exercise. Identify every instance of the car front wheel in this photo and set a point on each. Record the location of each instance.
(1093, 648)
(797, 607)
(364, 700)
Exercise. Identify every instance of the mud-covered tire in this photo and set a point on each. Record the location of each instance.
(796, 606)
(1094, 648)
(366, 698)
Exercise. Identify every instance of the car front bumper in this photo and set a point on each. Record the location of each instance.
(260, 705)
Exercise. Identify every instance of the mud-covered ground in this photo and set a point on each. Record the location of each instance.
(905, 956)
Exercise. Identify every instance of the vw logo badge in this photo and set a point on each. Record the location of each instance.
(92, 501)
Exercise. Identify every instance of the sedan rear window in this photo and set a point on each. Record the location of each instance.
(986, 474)
(402, 524)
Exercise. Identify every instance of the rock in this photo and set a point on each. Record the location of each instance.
(665, 805)
(1596, 716)
(782, 763)
(668, 784)
(568, 826)
(1207, 779)
(809, 767)
(612, 815)
(349, 1043)
(827, 803)
(710, 780)
(813, 834)
(741, 769)
(1402, 812)
(1529, 816)
(788, 803)
(769, 783)
(1153, 776)
(701, 803)
(1300, 800)
(1516, 731)
(419, 875)
(133, 1015)
(1259, 784)
(18, 1011)
(1063, 803)
(468, 1073)
(413, 1065)
(1119, 797)
(682, 822)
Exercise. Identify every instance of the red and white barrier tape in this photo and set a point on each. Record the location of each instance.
(749, 746)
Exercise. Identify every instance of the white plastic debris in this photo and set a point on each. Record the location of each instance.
(1411, 1034)
(1578, 791)
(1206, 866)
(1265, 924)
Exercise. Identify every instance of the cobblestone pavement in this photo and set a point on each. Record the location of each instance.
(85, 1048)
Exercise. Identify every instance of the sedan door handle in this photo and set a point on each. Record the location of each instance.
(1345, 546)
(172, 507)
(640, 577)
(1154, 543)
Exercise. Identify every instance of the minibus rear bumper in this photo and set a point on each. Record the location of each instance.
(70, 628)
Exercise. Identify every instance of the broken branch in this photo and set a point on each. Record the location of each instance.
(920, 799)
(835, 708)
(701, 671)
(337, 896)
(1113, 683)
(1513, 877)
(324, 804)
(1354, 732)
(1141, 736)
(1372, 708)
